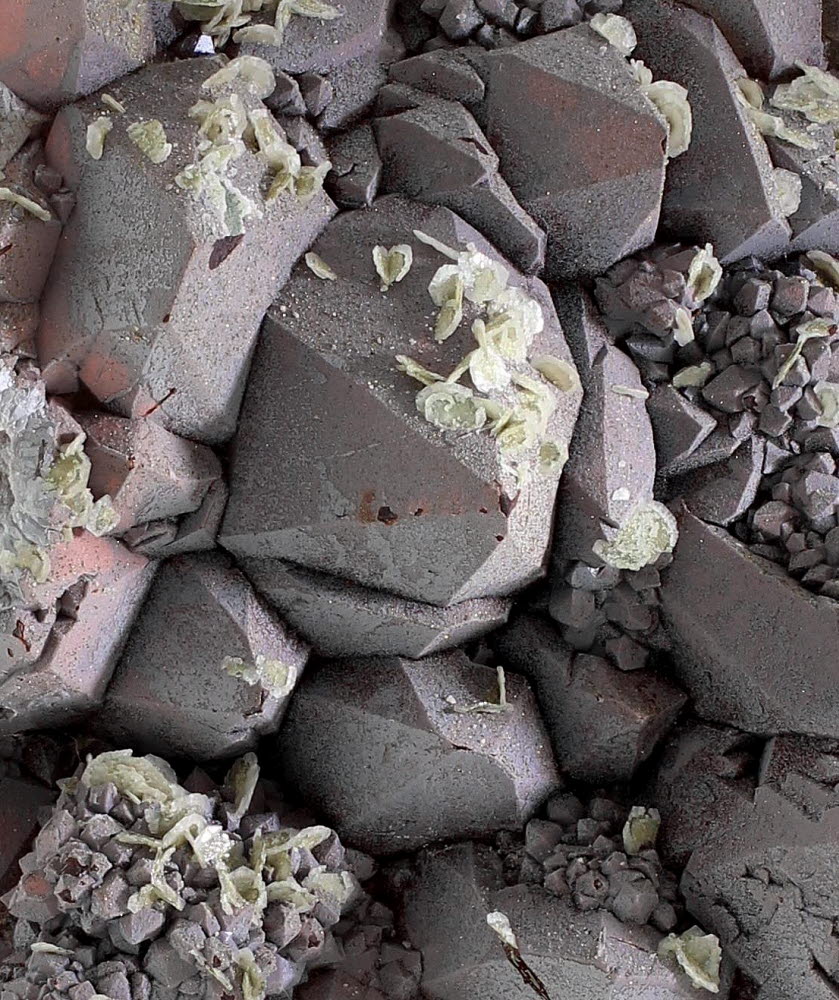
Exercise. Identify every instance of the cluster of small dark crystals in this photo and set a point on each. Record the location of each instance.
(419, 499)
(750, 369)
(496, 23)
(579, 850)
(137, 887)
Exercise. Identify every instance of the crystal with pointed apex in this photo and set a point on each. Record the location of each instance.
(172, 691)
(612, 466)
(171, 339)
(722, 190)
(603, 721)
(437, 153)
(101, 585)
(580, 146)
(744, 634)
(376, 746)
(55, 51)
(380, 495)
(756, 825)
(340, 618)
(768, 36)
(148, 472)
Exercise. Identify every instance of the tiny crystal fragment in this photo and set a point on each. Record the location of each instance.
(111, 102)
(641, 829)
(552, 457)
(254, 73)
(417, 371)
(96, 133)
(789, 188)
(698, 953)
(631, 391)
(671, 99)
(318, 266)
(451, 407)
(560, 373)
(278, 679)
(696, 375)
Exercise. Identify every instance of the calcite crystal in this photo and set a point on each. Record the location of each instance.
(603, 721)
(58, 51)
(611, 470)
(768, 37)
(722, 189)
(63, 643)
(21, 803)
(566, 951)
(437, 153)
(208, 667)
(436, 401)
(340, 618)
(149, 345)
(67, 595)
(148, 472)
(732, 617)
(758, 826)
(138, 885)
(396, 754)
(382, 496)
(349, 47)
(554, 108)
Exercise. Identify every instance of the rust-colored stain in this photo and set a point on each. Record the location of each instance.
(158, 403)
(599, 139)
(366, 514)
(369, 511)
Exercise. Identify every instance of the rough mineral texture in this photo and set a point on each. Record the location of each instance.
(603, 721)
(613, 459)
(757, 828)
(340, 618)
(437, 153)
(580, 146)
(56, 51)
(380, 495)
(745, 635)
(722, 189)
(28, 242)
(379, 746)
(172, 336)
(740, 407)
(815, 223)
(176, 689)
(578, 851)
(573, 954)
(768, 35)
(351, 51)
(21, 803)
(141, 886)
(70, 631)
(148, 472)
